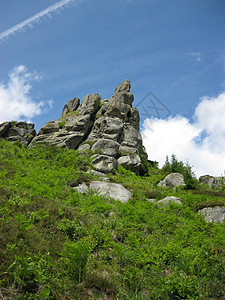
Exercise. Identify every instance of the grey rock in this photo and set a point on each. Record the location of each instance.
(107, 146)
(81, 188)
(219, 182)
(18, 132)
(207, 179)
(49, 127)
(212, 182)
(134, 118)
(84, 147)
(152, 200)
(102, 176)
(127, 150)
(71, 106)
(172, 180)
(90, 104)
(4, 127)
(71, 135)
(113, 190)
(213, 214)
(62, 139)
(104, 101)
(105, 164)
(169, 199)
(119, 105)
(130, 136)
(123, 87)
(130, 162)
(80, 123)
(106, 127)
(117, 109)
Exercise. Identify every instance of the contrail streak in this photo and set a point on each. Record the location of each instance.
(35, 18)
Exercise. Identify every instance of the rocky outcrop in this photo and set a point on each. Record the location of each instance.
(18, 132)
(73, 127)
(108, 127)
(213, 214)
(112, 190)
(212, 182)
(172, 180)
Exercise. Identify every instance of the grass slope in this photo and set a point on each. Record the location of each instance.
(58, 244)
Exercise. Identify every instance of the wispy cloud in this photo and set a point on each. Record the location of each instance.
(196, 55)
(16, 102)
(37, 17)
(126, 2)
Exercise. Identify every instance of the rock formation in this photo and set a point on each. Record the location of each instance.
(109, 127)
(17, 131)
(212, 182)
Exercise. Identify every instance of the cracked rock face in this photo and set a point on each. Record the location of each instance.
(18, 132)
(110, 127)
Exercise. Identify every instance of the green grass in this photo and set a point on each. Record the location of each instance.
(58, 244)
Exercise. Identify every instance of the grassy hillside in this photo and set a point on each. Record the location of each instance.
(58, 244)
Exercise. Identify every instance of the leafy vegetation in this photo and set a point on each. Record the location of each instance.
(58, 244)
(61, 124)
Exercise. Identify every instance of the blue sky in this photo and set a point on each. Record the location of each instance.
(174, 49)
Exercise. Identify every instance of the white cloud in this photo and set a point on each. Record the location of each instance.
(37, 17)
(201, 143)
(15, 100)
(196, 55)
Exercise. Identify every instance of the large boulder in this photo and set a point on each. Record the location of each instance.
(167, 200)
(213, 214)
(90, 104)
(112, 190)
(106, 127)
(104, 163)
(107, 146)
(130, 162)
(172, 180)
